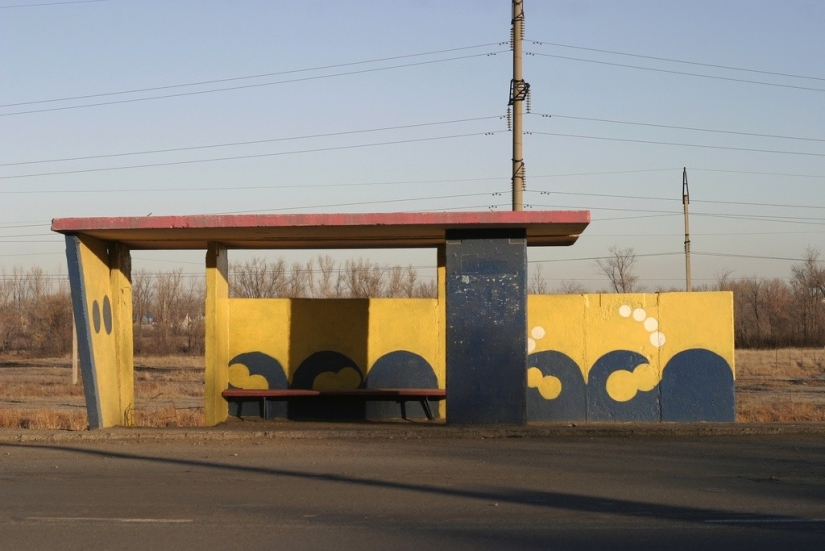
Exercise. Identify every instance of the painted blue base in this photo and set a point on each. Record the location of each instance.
(697, 386)
(570, 405)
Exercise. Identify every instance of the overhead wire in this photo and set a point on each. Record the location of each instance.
(679, 144)
(683, 73)
(679, 199)
(247, 86)
(676, 127)
(252, 142)
(251, 156)
(674, 60)
(64, 2)
(248, 77)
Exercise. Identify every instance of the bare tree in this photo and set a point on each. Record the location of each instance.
(618, 268)
(778, 296)
(723, 278)
(426, 289)
(324, 285)
(299, 284)
(363, 279)
(256, 278)
(808, 282)
(168, 294)
(142, 291)
(192, 306)
(569, 287)
(395, 281)
(537, 285)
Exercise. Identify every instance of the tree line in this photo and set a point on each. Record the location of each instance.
(768, 313)
(168, 306)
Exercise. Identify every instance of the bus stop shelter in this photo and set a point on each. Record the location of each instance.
(480, 314)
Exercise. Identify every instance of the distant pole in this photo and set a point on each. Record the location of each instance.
(74, 351)
(518, 93)
(685, 203)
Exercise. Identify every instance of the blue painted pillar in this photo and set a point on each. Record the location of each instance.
(486, 333)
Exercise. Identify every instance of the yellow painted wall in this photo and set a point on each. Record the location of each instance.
(647, 330)
(113, 394)
(290, 330)
(406, 324)
(655, 325)
(584, 327)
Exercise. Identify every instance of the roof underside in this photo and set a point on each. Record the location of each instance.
(322, 231)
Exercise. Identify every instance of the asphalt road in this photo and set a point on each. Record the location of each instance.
(602, 492)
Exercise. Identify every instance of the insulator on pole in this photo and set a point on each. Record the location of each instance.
(509, 119)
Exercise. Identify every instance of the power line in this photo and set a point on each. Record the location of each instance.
(684, 73)
(706, 201)
(248, 77)
(702, 146)
(246, 86)
(674, 127)
(765, 218)
(247, 188)
(252, 156)
(51, 4)
(252, 142)
(673, 60)
(783, 174)
(752, 256)
(705, 234)
(361, 203)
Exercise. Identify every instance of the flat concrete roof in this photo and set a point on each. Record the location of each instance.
(322, 231)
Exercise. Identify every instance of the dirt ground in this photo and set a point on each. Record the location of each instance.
(785, 385)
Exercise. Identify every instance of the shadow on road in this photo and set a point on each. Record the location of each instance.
(533, 498)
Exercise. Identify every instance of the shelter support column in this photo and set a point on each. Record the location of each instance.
(486, 326)
(216, 378)
(441, 319)
(100, 279)
(121, 281)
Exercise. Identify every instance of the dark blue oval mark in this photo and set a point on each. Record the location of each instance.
(96, 316)
(107, 314)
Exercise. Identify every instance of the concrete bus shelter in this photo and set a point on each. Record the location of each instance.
(472, 340)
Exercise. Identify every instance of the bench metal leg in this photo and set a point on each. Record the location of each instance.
(426, 405)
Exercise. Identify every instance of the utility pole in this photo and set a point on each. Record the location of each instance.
(685, 203)
(74, 351)
(518, 93)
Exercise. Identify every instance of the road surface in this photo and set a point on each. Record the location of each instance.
(602, 492)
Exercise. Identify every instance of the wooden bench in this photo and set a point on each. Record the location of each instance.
(398, 395)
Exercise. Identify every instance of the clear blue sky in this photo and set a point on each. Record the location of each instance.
(375, 106)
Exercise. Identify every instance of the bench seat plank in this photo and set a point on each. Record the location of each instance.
(399, 394)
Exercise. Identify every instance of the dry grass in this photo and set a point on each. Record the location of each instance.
(169, 416)
(38, 393)
(788, 412)
(28, 418)
(791, 363)
(785, 385)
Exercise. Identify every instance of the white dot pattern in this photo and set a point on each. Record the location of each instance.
(651, 324)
